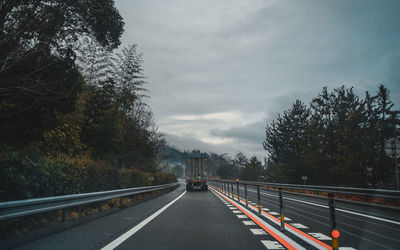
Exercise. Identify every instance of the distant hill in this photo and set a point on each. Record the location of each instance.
(176, 159)
(175, 156)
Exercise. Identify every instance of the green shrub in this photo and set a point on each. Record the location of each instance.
(25, 176)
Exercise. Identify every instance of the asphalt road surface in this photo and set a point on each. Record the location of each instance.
(197, 220)
(361, 227)
(212, 220)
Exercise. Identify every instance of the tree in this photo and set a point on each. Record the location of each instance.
(227, 171)
(252, 170)
(38, 76)
(94, 62)
(129, 79)
(286, 140)
(338, 140)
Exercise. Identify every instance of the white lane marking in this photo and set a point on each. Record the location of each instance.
(241, 216)
(299, 235)
(265, 209)
(276, 231)
(299, 225)
(287, 219)
(249, 223)
(346, 248)
(237, 211)
(273, 213)
(233, 208)
(270, 244)
(113, 244)
(320, 236)
(258, 231)
(309, 241)
(338, 209)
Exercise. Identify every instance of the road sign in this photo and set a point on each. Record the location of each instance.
(392, 147)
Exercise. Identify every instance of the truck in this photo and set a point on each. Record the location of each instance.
(196, 174)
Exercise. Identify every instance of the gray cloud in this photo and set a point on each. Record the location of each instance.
(251, 59)
(252, 133)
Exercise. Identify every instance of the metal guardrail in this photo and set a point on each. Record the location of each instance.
(227, 187)
(380, 193)
(14, 209)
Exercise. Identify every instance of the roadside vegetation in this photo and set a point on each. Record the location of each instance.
(337, 140)
(73, 116)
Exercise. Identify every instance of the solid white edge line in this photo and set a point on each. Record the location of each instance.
(136, 228)
(337, 209)
(283, 236)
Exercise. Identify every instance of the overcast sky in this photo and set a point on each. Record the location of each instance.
(218, 70)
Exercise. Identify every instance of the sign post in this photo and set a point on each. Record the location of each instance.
(392, 149)
(304, 178)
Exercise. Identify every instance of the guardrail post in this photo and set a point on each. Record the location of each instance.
(237, 189)
(233, 196)
(121, 202)
(99, 207)
(64, 215)
(225, 192)
(245, 194)
(334, 232)
(258, 200)
(281, 211)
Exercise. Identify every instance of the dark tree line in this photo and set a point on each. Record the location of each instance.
(337, 140)
(73, 115)
(241, 167)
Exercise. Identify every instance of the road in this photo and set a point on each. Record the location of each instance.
(361, 227)
(210, 220)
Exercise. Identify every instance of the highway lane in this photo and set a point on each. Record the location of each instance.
(195, 220)
(361, 227)
(99, 232)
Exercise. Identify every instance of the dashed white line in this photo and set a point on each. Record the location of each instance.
(242, 216)
(271, 244)
(311, 242)
(258, 231)
(320, 236)
(249, 223)
(298, 225)
(275, 245)
(288, 240)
